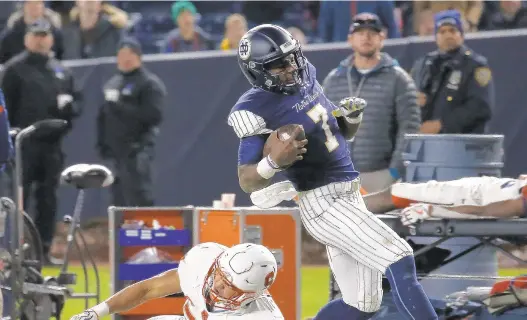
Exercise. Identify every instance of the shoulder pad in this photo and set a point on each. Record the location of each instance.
(246, 116)
(246, 123)
(311, 69)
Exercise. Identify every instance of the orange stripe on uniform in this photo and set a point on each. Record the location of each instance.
(186, 311)
(401, 203)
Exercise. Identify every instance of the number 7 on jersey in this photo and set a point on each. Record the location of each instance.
(319, 114)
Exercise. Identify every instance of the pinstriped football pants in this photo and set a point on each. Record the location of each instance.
(360, 246)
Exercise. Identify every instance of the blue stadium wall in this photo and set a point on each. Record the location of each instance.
(196, 152)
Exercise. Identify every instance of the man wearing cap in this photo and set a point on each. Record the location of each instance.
(188, 36)
(12, 38)
(455, 83)
(392, 107)
(128, 124)
(38, 87)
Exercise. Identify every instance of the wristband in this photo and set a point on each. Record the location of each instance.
(101, 309)
(266, 169)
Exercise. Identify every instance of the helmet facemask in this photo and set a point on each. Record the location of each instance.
(286, 75)
(237, 299)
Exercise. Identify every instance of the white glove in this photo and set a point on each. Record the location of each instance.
(274, 194)
(415, 213)
(350, 107)
(63, 100)
(86, 315)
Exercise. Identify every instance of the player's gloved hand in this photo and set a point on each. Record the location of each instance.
(351, 107)
(415, 213)
(286, 152)
(86, 315)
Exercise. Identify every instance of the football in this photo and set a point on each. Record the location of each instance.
(283, 133)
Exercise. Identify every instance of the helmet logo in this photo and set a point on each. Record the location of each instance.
(269, 279)
(244, 49)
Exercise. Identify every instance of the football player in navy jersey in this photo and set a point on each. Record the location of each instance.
(361, 248)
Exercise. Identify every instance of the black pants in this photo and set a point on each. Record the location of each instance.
(42, 165)
(133, 178)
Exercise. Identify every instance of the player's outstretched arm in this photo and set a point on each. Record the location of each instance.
(162, 285)
(501, 209)
(379, 202)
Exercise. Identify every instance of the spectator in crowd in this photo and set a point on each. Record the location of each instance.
(12, 42)
(298, 35)
(38, 87)
(235, 28)
(116, 16)
(470, 11)
(456, 90)
(188, 36)
(335, 18)
(392, 109)
(260, 12)
(425, 23)
(92, 33)
(509, 15)
(128, 124)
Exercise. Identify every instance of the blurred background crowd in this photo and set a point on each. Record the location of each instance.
(91, 29)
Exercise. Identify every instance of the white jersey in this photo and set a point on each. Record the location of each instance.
(473, 191)
(193, 270)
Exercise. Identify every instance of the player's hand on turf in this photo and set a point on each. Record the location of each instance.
(351, 107)
(285, 153)
(415, 213)
(86, 315)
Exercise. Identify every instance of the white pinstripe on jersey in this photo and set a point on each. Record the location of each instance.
(360, 246)
(246, 124)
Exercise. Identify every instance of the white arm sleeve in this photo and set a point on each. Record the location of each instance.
(246, 124)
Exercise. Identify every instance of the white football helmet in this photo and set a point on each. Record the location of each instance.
(248, 269)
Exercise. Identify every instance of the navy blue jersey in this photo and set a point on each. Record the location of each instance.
(258, 113)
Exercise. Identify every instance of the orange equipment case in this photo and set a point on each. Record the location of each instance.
(279, 229)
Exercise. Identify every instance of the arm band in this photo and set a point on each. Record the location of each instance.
(102, 309)
(266, 168)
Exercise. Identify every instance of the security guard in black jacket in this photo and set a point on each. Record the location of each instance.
(455, 84)
(127, 126)
(37, 87)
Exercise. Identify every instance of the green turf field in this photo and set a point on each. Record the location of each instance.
(315, 283)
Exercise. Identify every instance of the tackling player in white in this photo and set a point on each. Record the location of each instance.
(466, 198)
(218, 282)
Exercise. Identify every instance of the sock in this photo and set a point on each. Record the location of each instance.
(408, 294)
(338, 309)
